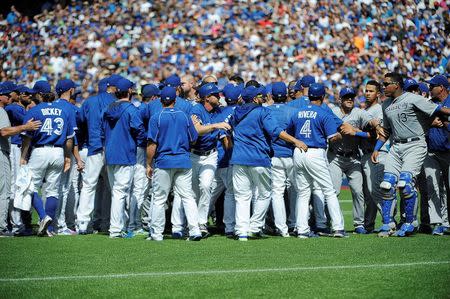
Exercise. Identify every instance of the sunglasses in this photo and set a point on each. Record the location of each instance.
(386, 84)
(433, 86)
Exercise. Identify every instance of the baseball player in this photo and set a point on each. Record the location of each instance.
(436, 163)
(65, 89)
(122, 125)
(282, 163)
(253, 130)
(91, 114)
(169, 164)
(7, 131)
(407, 117)
(373, 173)
(344, 157)
(140, 187)
(314, 126)
(223, 180)
(50, 148)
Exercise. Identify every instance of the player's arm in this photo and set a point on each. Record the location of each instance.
(30, 125)
(151, 150)
(294, 141)
(76, 154)
(68, 149)
(227, 142)
(26, 143)
(205, 129)
(376, 151)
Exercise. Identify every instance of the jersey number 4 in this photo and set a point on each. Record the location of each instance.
(306, 129)
(48, 127)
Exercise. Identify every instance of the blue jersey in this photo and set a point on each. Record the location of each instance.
(72, 111)
(313, 126)
(81, 132)
(282, 113)
(303, 101)
(155, 107)
(122, 126)
(16, 113)
(438, 138)
(56, 125)
(91, 114)
(173, 132)
(142, 142)
(224, 156)
(207, 141)
(253, 131)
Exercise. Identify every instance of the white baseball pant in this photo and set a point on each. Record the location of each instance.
(312, 166)
(244, 179)
(74, 193)
(282, 178)
(15, 217)
(181, 179)
(223, 181)
(139, 189)
(64, 188)
(47, 163)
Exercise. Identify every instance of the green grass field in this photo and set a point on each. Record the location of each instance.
(96, 266)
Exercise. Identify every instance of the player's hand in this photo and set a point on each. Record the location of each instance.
(347, 129)
(23, 161)
(437, 123)
(67, 163)
(32, 125)
(149, 172)
(301, 145)
(195, 119)
(222, 126)
(382, 132)
(80, 165)
(374, 157)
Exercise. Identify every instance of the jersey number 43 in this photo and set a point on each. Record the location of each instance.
(53, 126)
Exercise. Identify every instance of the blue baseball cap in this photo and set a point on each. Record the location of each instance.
(307, 80)
(423, 87)
(298, 85)
(10, 85)
(21, 88)
(232, 93)
(279, 89)
(64, 85)
(42, 86)
(150, 90)
(103, 84)
(113, 79)
(409, 83)
(172, 80)
(208, 89)
(316, 90)
(123, 84)
(5, 89)
(347, 91)
(439, 80)
(249, 93)
(168, 93)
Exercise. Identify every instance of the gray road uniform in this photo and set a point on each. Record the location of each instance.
(5, 170)
(407, 117)
(344, 158)
(373, 173)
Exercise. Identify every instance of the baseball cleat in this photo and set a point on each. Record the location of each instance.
(323, 232)
(439, 230)
(406, 230)
(204, 231)
(50, 233)
(243, 238)
(194, 238)
(386, 230)
(43, 224)
(177, 235)
(307, 235)
(360, 230)
(339, 234)
(66, 232)
(158, 239)
(5, 234)
(230, 235)
(258, 235)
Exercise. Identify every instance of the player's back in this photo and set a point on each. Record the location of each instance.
(173, 131)
(313, 126)
(55, 128)
(155, 107)
(16, 113)
(282, 113)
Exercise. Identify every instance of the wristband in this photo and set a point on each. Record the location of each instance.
(362, 134)
(378, 145)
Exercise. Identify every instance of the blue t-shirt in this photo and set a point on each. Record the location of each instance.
(313, 126)
(303, 101)
(253, 131)
(438, 138)
(282, 113)
(56, 124)
(207, 141)
(173, 132)
(91, 113)
(16, 113)
(122, 127)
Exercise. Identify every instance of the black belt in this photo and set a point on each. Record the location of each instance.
(46, 145)
(406, 140)
(344, 154)
(203, 153)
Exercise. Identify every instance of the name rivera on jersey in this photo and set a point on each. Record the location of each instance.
(51, 111)
(307, 114)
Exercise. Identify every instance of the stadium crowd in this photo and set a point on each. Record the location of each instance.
(205, 69)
